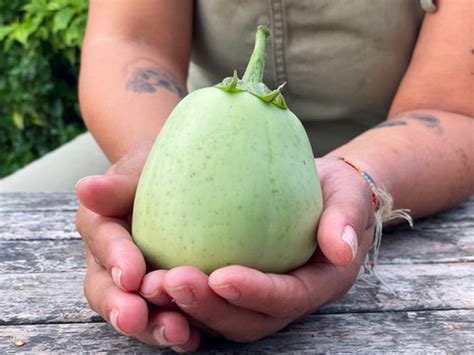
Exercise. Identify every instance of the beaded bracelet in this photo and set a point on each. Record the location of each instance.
(369, 264)
(367, 178)
(383, 211)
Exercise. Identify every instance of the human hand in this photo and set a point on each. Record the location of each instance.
(243, 304)
(115, 266)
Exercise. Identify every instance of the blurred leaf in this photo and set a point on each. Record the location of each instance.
(75, 32)
(5, 31)
(20, 33)
(61, 19)
(18, 120)
(55, 5)
(35, 23)
(38, 82)
(34, 7)
(37, 121)
(43, 33)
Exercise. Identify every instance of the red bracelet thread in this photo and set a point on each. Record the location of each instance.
(367, 178)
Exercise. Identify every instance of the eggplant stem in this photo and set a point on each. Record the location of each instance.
(254, 71)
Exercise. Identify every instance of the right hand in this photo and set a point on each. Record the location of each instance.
(116, 267)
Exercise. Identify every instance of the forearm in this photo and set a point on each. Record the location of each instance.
(126, 91)
(425, 159)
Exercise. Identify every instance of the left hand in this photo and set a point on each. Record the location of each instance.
(243, 304)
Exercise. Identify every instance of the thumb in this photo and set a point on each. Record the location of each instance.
(345, 223)
(112, 194)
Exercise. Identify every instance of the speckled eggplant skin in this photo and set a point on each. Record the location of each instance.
(231, 179)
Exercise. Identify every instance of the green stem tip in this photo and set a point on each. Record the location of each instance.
(252, 80)
(254, 71)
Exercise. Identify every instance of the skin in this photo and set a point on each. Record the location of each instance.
(429, 132)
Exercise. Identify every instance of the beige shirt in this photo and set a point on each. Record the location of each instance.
(342, 59)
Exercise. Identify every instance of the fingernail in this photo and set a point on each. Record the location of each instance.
(81, 180)
(117, 276)
(149, 290)
(182, 295)
(178, 349)
(151, 293)
(350, 237)
(157, 297)
(114, 320)
(227, 291)
(159, 335)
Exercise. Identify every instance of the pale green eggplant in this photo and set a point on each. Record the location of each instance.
(231, 179)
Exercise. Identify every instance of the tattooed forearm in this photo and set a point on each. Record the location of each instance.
(148, 79)
(390, 124)
(429, 121)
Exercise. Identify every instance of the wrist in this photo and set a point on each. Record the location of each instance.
(368, 180)
(372, 164)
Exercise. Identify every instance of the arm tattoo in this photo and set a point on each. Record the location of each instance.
(148, 78)
(390, 124)
(429, 121)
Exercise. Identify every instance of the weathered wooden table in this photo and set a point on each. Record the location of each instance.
(431, 268)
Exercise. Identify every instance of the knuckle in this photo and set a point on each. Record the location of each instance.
(100, 236)
(296, 300)
(303, 303)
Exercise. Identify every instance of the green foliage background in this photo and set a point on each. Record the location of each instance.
(39, 64)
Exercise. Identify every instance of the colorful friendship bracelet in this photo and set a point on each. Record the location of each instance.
(369, 265)
(367, 178)
(383, 203)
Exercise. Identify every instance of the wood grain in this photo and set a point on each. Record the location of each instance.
(38, 201)
(420, 331)
(68, 255)
(422, 245)
(39, 256)
(431, 268)
(433, 240)
(58, 297)
(38, 225)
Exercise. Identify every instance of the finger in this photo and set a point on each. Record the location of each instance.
(113, 194)
(171, 329)
(191, 345)
(112, 245)
(189, 288)
(281, 296)
(108, 195)
(347, 214)
(166, 328)
(126, 312)
(286, 296)
(153, 291)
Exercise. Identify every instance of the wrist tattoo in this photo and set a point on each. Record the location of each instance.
(147, 79)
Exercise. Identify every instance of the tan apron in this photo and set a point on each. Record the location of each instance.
(342, 59)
